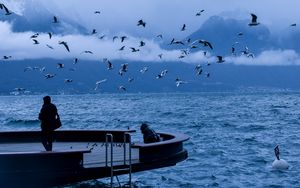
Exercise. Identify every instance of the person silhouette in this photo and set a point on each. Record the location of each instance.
(47, 116)
(149, 135)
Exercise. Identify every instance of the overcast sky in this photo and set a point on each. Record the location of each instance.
(162, 17)
(163, 14)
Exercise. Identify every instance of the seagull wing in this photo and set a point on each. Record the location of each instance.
(35, 41)
(209, 45)
(254, 18)
(6, 10)
(99, 82)
(49, 46)
(66, 45)
(55, 19)
(183, 27)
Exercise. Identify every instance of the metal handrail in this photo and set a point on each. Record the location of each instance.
(130, 158)
(108, 135)
(109, 138)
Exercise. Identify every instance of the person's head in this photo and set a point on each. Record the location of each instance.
(144, 126)
(47, 100)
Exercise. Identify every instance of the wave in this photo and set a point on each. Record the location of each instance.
(279, 106)
(12, 121)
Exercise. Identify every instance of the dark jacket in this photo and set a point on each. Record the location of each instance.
(47, 116)
(150, 135)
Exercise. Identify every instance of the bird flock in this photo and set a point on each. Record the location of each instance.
(185, 46)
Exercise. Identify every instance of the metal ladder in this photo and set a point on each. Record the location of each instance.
(125, 167)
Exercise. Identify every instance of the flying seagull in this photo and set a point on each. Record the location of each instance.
(183, 27)
(102, 37)
(198, 69)
(109, 65)
(49, 46)
(134, 49)
(75, 61)
(253, 20)
(50, 35)
(184, 51)
(178, 82)
(173, 41)
(143, 70)
(122, 88)
(55, 20)
(68, 80)
(65, 44)
(99, 82)
(232, 50)
(34, 35)
(47, 76)
(28, 69)
(43, 69)
(142, 23)
(130, 79)
(123, 69)
(114, 38)
(206, 43)
(94, 31)
(35, 41)
(60, 65)
(87, 52)
(220, 59)
(122, 48)
(97, 12)
(159, 36)
(142, 43)
(162, 74)
(199, 13)
(123, 38)
(7, 57)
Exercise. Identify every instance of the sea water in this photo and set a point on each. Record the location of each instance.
(232, 135)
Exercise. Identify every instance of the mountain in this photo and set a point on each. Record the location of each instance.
(223, 77)
(223, 33)
(37, 20)
(289, 38)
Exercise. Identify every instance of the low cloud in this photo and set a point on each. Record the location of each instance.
(268, 58)
(21, 46)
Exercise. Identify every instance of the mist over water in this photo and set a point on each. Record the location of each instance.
(232, 135)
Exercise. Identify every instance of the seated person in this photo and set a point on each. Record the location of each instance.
(149, 134)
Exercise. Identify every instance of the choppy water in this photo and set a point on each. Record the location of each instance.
(232, 135)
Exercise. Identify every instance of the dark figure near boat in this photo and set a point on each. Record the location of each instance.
(149, 134)
(47, 116)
